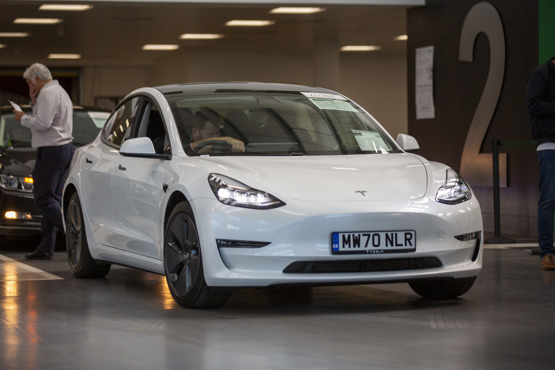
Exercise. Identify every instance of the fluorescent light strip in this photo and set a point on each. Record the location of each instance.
(37, 20)
(360, 48)
(66, 7)
(201, 36)
(14, 34)
(157, 47)
(249, 23)
(401, 38)
(296, 10)
(64, 56)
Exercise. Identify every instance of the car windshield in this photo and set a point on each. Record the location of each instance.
(281, 124)
(86, 125)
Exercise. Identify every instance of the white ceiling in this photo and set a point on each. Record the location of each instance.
(113, 33)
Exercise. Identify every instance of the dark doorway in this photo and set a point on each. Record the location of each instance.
(14, 87)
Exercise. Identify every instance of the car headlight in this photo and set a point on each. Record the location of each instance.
(454, 191)
(235, 193)
(19, 183)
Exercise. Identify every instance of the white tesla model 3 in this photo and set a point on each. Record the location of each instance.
(225, 185)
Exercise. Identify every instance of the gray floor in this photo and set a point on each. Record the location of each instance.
(50, 320)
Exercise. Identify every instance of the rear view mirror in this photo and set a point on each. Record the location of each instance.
(137, 146)
(407, 143)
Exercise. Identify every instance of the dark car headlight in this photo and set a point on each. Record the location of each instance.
(235, 193)
(454, 191)
(17, 183)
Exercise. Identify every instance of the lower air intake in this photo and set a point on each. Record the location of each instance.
(394, 264)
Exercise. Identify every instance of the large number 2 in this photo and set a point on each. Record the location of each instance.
(476, 167)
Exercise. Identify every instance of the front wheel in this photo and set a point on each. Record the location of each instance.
(183, 262)
(81, 263)
(442, 289)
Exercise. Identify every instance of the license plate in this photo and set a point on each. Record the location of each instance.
(373, 242)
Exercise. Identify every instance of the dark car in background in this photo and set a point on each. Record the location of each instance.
(19, 216)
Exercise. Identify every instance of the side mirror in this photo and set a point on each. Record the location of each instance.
(407, 143)
(138, 147)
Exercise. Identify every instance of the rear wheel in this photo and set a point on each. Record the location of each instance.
(183, 262)
(79, 257)
(442, 289)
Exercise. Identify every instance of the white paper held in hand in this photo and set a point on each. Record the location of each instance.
(15, 106)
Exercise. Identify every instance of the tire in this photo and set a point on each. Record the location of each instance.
(183, 262)
(442, 289)
(81, 264)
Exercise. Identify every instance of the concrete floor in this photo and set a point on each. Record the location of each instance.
(50, 320)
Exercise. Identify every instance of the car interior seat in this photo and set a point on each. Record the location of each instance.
(184, 124)
(235, 124)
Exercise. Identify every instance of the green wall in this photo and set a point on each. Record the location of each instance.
(546, 30)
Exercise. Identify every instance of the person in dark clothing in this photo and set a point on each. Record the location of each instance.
(540, 102)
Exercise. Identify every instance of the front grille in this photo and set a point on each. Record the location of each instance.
(393, 264)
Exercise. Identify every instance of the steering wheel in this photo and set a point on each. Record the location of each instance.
(218, 146)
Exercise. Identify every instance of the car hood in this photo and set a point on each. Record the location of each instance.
(17, 161)
(374, 177)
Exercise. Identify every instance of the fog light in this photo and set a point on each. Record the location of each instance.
(477, 236)
(225, 243)
(470, 236)
(13, 215)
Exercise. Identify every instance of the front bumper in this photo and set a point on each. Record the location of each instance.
(292, 244)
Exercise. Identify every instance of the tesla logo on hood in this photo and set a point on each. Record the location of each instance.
(362, 192)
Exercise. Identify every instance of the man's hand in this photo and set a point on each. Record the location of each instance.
(18, 114)
(33, 93)
(236, 145)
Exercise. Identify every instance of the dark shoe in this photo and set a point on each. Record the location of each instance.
(38, 255)
(548, 262)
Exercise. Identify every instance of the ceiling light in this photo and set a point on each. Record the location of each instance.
(360, 48)
(160, 47)
(401, 38)
(66, 7)
(2, 46)
(64, 56)
(297, 10)
(201, 36)
(37, 20)
(249, 23)
(14, 34)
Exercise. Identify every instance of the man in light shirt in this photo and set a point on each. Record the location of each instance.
(51, 124)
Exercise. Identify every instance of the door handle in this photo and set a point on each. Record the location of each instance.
(87, 160)
(122, 168)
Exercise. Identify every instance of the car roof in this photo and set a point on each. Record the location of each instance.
(214, 87)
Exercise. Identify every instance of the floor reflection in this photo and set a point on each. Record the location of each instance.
(129, 320)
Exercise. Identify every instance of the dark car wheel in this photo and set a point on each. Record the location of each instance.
(183, 262)
(79, 257)
(442, 289)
